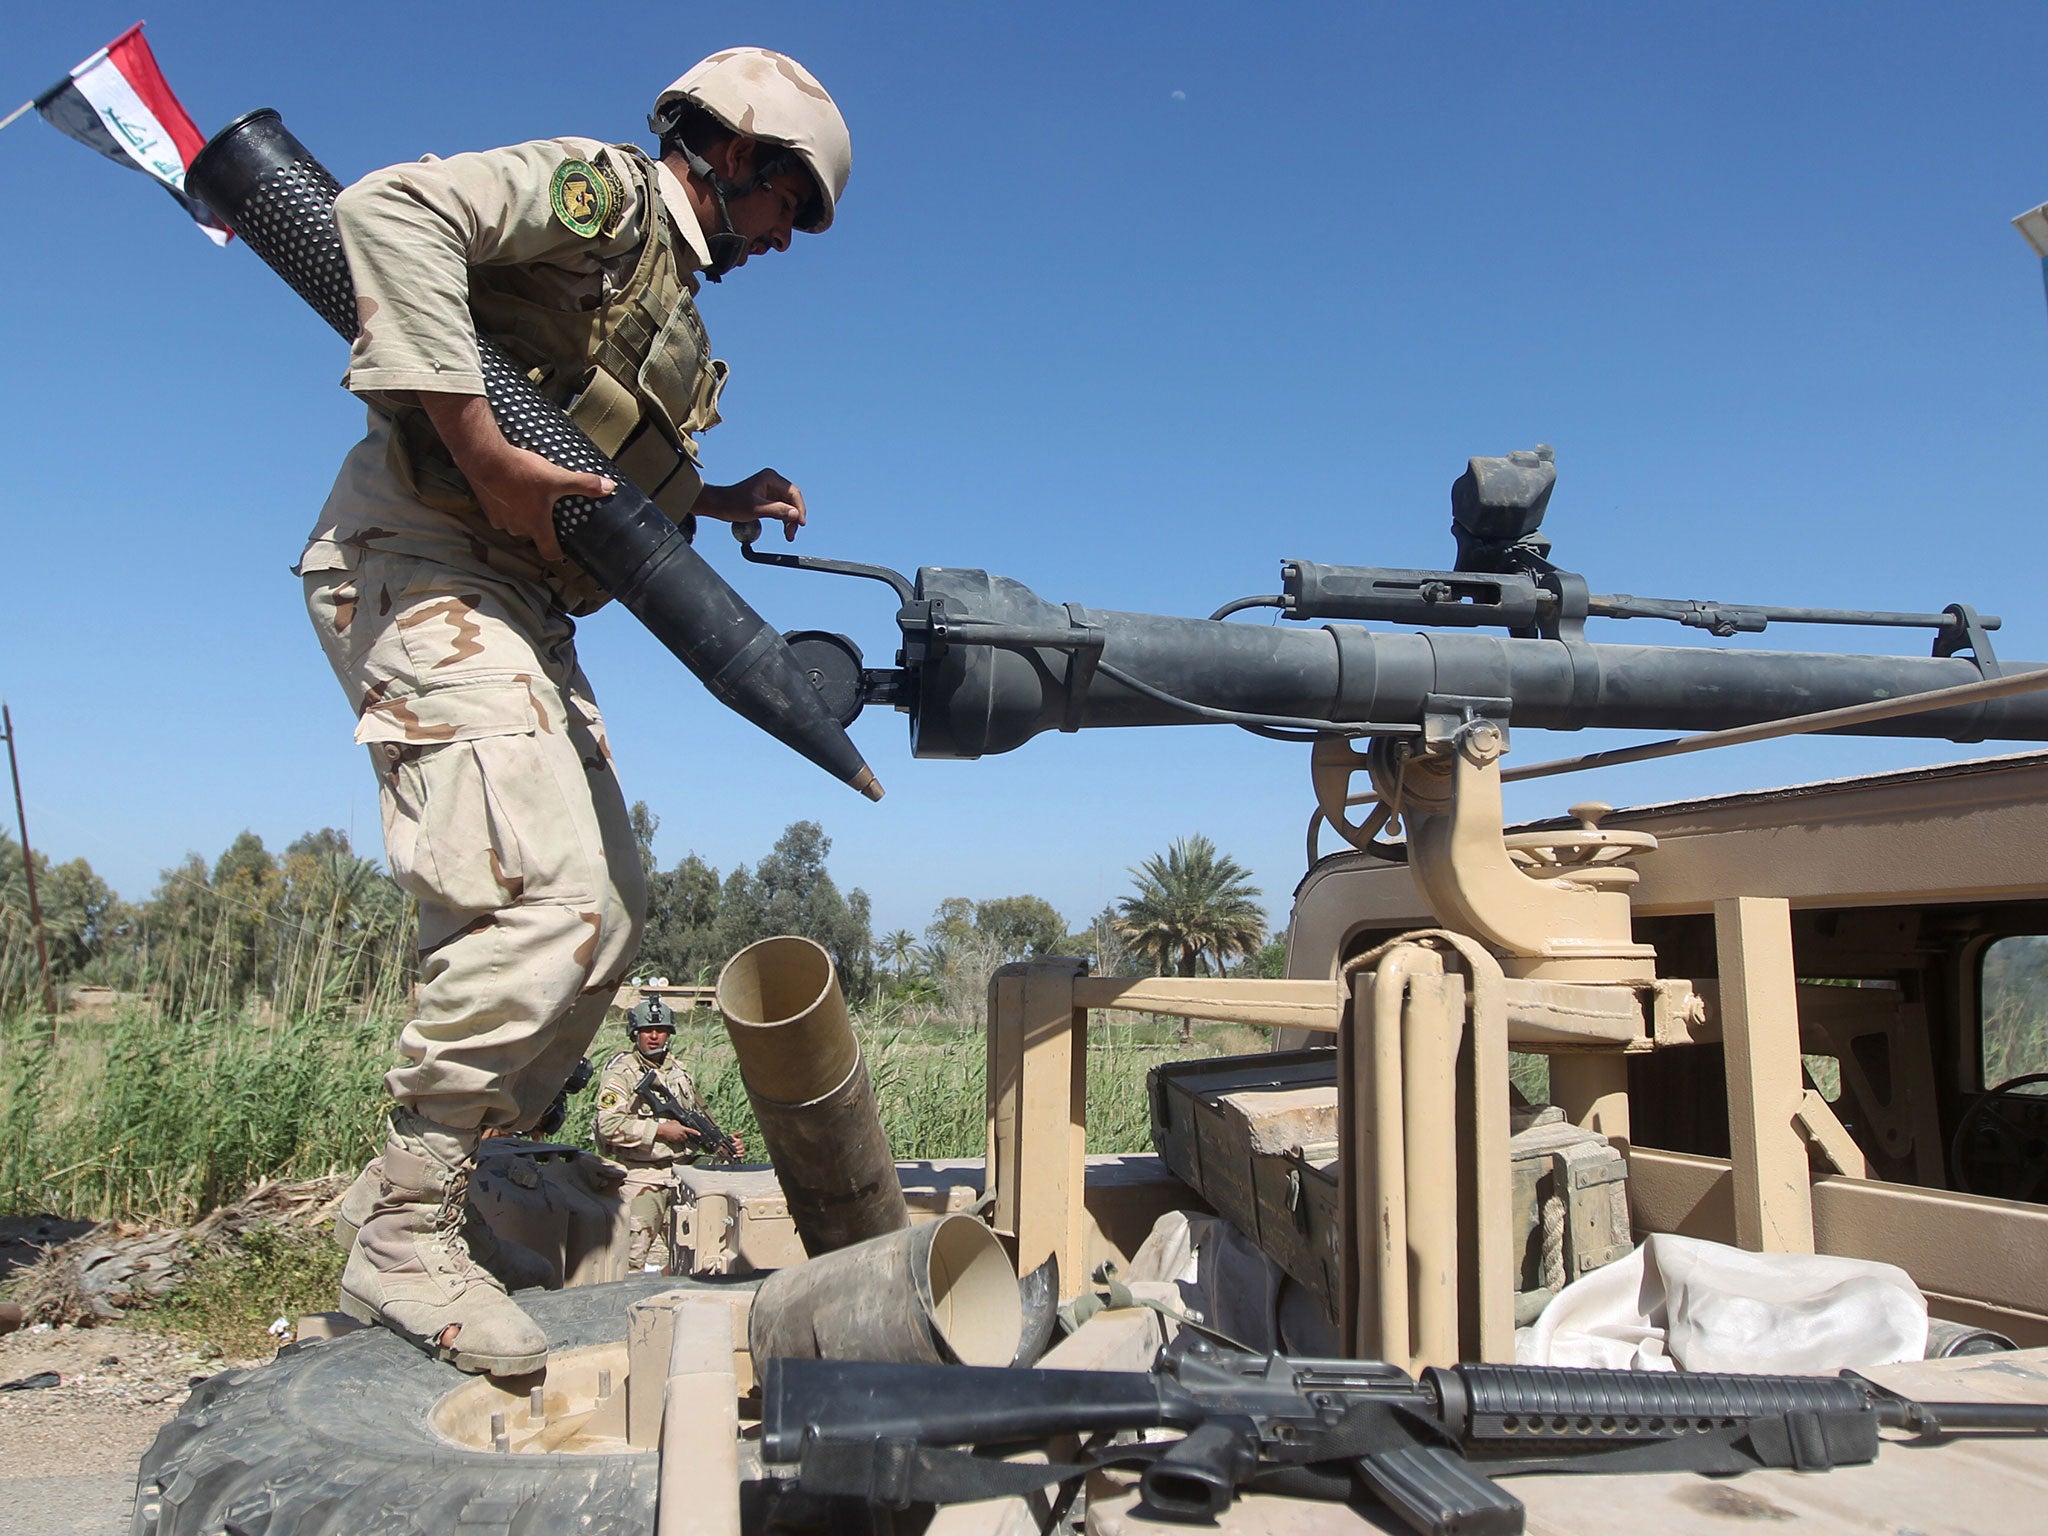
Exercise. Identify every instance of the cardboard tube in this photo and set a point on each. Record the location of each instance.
(940, 1293)
(811, 1095)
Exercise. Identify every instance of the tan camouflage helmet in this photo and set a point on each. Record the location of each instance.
(769, 96)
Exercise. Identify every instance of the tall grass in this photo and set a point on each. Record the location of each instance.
(146, 1113)
(151, 1114)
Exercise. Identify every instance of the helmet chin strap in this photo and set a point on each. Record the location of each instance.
(727, 246)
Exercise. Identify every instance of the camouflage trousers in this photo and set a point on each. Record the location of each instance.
(650, 1195)
(501, 815)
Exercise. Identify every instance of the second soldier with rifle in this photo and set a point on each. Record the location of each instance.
(632, 1131)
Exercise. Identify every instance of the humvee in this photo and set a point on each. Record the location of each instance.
(1811, 1018)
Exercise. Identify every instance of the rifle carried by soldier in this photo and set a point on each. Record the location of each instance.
(655, 1097)
(1328, 1429)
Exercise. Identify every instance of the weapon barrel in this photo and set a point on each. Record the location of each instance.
(1133, 669)
(267, 187)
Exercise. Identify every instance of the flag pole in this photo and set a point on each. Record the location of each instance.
(28, 863)
(10, 117)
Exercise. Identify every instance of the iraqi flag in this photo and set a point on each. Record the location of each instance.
(117, 103)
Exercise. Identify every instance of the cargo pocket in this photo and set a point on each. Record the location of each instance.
(476, 813)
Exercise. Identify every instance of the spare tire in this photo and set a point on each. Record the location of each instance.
(333, 1439)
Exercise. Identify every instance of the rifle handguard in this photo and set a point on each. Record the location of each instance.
(1514, 1409)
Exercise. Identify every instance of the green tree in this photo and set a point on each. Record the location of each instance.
(682, 921)
(791, 891)
(83, 920)
(1020, 926)
(1192, 906)
(248, 886)
(644, 824)
(952, 921)
(898, 949)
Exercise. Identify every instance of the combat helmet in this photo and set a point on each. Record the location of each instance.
(650, 1013)
(770, 97)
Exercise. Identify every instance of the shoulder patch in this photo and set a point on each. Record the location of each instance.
(582, 198)
(617, 187)
(611, 1098)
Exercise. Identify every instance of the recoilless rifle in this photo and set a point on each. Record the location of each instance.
(1330, 1429)
(985, 664)
(654, 1094)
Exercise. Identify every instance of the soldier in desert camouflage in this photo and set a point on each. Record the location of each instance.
(447, 611)
(631, 1134)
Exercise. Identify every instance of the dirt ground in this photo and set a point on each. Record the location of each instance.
(68, 1453)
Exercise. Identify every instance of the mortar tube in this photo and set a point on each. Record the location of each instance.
(938, 1294)
(811, 1095)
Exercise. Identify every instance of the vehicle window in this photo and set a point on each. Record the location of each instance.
(2014, 1000)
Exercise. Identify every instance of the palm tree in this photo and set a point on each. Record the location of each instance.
(898, 948)
(1193, 902)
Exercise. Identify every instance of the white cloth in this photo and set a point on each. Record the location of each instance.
(1678, 1302)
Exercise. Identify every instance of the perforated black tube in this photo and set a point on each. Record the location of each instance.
(1496, 1404)
(267, 188)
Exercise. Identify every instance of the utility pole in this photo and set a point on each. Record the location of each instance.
(28, 865)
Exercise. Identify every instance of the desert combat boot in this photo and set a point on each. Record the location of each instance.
(518, 1267)
(411, 1268)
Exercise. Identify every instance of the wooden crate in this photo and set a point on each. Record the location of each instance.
(1257, 1137)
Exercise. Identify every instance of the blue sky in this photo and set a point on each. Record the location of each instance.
(1129, 302)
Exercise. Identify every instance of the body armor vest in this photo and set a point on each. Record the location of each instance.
(635, 373)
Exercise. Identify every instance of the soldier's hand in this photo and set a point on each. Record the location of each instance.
(765, 495)
(516, 489)
(674, 1132)
(739, 1148)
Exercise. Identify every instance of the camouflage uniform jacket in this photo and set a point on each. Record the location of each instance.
(625, 1129)
(416, 236)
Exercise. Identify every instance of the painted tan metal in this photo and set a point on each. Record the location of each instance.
(1312, 1005)
(1965, 832)
(1760, 1039)
(1555, 925)
(1427, 1275)
(1978, 1260)
(580, 1412)
(649, 1332)
(1566, 1014)
(1431, 1035)
(1961, 832)
(1816, 1120)
(1486, 1192)
(1038, 1115)
(1005, 1090)
(699, 1494)
(1593, 1091)
(1840, 1022)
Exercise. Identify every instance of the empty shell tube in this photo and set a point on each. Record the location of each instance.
(811, 1095)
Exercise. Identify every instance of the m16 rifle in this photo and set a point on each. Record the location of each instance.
(985, 664)
(652, 1093)
(1422, 1446)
